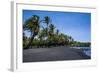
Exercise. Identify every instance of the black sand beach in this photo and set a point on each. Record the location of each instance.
(53, 54)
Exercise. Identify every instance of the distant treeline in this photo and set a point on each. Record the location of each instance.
(48, 36)
(81, 44)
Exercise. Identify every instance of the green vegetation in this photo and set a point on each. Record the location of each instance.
(46, 36)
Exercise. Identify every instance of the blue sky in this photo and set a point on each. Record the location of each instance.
(75, 24)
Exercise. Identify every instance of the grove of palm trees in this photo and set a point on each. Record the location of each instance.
(48, 36)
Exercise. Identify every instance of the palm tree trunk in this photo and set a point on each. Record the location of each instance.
(30, 42)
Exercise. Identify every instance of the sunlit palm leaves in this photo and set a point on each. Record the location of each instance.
(32, 25)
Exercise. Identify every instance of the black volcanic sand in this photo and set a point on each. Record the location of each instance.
(53, 54)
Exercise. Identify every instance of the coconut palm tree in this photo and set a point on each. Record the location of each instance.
(51, 29)
(31, 25)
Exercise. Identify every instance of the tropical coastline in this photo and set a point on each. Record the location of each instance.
(56, 36)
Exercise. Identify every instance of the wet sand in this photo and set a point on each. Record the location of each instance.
(53, 54)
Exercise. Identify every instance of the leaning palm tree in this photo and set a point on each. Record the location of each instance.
(32, 25)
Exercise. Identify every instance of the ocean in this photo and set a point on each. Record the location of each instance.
(86, 50)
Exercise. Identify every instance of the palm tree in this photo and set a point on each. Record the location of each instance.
(57, 31)
(51, 29)
(32, 25)
(47, 21)
(71, 40)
